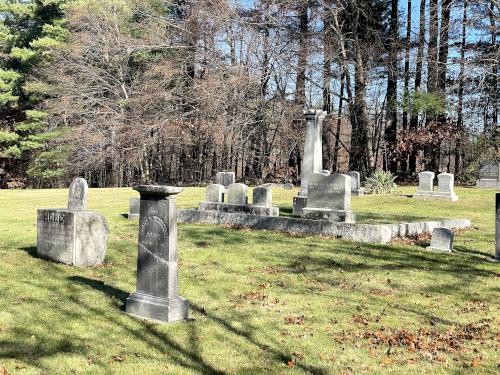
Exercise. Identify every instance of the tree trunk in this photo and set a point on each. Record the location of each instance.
(391, 124)
(461, 84)
(300, 90)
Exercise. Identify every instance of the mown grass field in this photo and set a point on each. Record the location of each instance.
(262, 302)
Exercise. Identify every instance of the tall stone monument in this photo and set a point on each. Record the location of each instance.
(312, 160)
(72, 236)
(329, 198)
(489, 175)
(157, 295)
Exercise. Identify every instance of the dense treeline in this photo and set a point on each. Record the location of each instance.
(122, 91)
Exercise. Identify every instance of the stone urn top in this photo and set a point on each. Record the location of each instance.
(314, 113)
(158, 190)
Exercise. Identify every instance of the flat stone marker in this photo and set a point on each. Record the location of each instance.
(237, 194)
(77, 198)
(72, 236)
(356, 188)
(262, 196)
(157, 295)
(489, 175)
(329, 198)
(134, 208)
(497, 226)
(442, 240)
(215, 193)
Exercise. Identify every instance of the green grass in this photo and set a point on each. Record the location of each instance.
(262, 302)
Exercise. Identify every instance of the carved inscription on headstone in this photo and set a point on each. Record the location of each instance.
(490, 170)
(329, 192)
(55, 235)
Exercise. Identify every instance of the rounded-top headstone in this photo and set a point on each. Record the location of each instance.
(77, 198)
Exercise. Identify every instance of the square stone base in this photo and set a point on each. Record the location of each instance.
(485, 183)
(299, 203)
(240, 208)
(358, 193)
(438, 249)
(158, 309)
(329, 215)
(437, 195)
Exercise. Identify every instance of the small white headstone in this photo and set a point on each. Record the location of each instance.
(426, 181)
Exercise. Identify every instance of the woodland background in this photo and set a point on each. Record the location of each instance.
(127, 91)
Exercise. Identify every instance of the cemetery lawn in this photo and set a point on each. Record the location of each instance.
(262, 302)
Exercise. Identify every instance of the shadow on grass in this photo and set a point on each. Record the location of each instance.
(31, 250)
(193, 352)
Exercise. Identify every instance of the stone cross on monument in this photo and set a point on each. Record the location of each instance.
(312, 160)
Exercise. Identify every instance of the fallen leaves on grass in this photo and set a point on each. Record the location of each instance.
(360, 319)
(379, 292)
(253, 297)
(327, 357)
(418, 239)
(270, 269)
(296, 357)
(474, 306)
(118, 358)
(202, 244)
(3, 371)
(294, 319)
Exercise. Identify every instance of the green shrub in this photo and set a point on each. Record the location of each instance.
(380, 182)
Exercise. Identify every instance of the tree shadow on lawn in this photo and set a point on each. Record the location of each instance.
(194, 353)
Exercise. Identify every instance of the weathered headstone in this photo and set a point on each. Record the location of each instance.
(442, 240)
(497, 226)
(262, 196)
(489, 175)
(446, 187)
(312, 161)
(215, 193)
(329, 198)
(134, 208)
(72, 236)
(237, 194)
(425, 182)
(157, 295)
(356, 188)
(225, 178)
(77, 198)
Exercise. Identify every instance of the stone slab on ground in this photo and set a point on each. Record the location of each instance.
(368, 233)
(240, 208)
(78, 238)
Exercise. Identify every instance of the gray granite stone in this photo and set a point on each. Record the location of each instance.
(77, 197)
(262, 196)
(497, 226)
(157, 297)
(329, 198)
(356, 188)
(225, 178)
(489, 175)
(312, 160)
(77, 238)
(369, 233)
(425, 182)
(237, 194)
(446, 186)
(442, 240)
(134, 208)
(215, 193)
(299, 203)
(239, 208)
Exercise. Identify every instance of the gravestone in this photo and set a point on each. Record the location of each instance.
(134, 208)
(225, 178)
(72, 236)
(442, 240)
(215, 193)
(446, 187)
(356, 188)
(312, 161)
(262, 196)
(77, 197)
(237, 194)
(329, 198)
(489, 175)
(425, 182)
(497, 226)
(157, 291)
